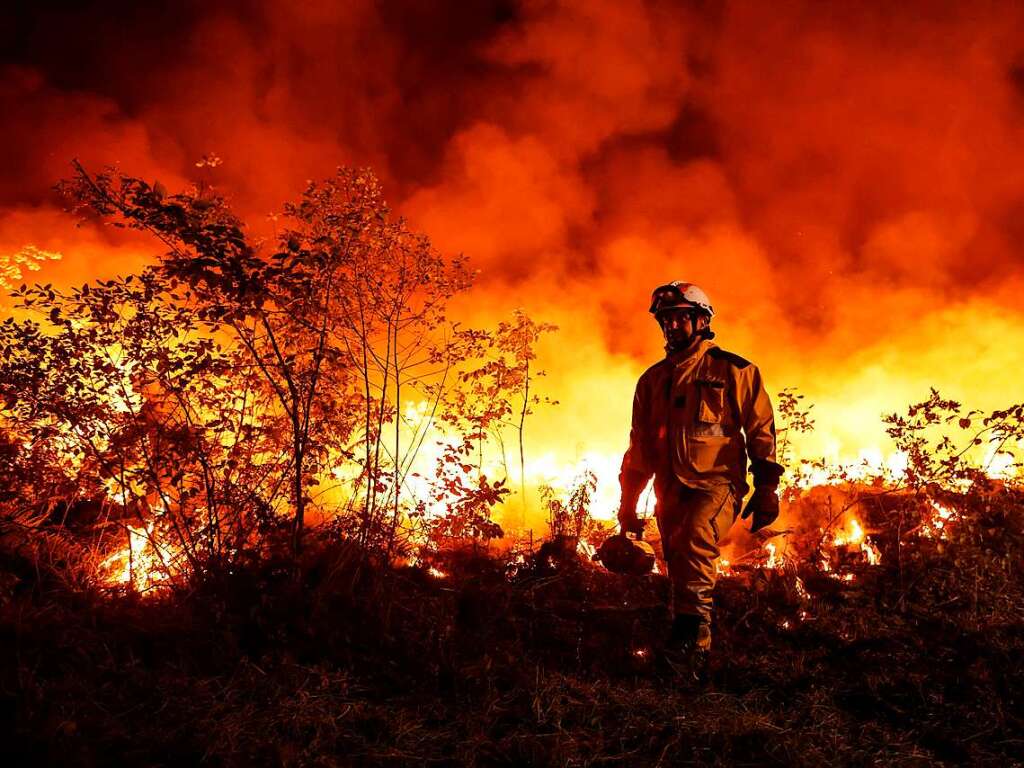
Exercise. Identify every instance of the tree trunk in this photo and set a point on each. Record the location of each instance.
(300, 499)
(522, 450)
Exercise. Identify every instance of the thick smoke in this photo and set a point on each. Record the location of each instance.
(846, 180)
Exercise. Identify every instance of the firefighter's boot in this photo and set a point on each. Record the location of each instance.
(686, 653)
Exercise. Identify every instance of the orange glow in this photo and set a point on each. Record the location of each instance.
(773, 560)
(585, 549)
(144, 565)
(845, 183)
(936, 525)
(801, 590)
(854, 538)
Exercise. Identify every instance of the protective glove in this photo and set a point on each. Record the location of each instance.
(632, 485)
(630, 523)
(764, 506)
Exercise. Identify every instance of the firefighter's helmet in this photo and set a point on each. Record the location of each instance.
(620, 554)
(680, 294)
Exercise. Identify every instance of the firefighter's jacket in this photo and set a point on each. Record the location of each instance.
(697, 416)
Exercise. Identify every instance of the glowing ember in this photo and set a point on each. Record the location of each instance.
(417, 562)
(871, 552)
(723, 567)
(640, 653)
(801, 590)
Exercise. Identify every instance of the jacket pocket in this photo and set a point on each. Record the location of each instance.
(711, 409)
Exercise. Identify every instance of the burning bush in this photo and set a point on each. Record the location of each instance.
(208, 402)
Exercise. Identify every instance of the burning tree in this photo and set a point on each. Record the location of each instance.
(231, 385)
(132, 404)
(495, 397)
(275, 310)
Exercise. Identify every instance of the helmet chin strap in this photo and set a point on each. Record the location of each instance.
(705, 331)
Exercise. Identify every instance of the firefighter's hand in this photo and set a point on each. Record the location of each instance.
(763, 506)
(630, 523)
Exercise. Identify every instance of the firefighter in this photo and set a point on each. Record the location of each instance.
(698, 415)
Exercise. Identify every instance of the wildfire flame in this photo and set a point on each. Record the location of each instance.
(855, 537)
(585, 549)
(774, 560)
(556, 168)
(936, 526)
(801, 590)
(143, 565)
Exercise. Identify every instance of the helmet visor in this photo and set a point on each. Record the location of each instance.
(666, 296)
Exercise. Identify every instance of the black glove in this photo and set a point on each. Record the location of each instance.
(764, 506)
(632, 485)
(630, 523)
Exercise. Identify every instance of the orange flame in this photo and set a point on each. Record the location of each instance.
(855, 537)
(609, 198)
(144, 565)
(936, 526)
(585, 549)
(774, 560)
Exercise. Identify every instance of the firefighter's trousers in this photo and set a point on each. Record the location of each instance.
(692, 522)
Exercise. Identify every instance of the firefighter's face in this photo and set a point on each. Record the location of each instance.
(679, 325)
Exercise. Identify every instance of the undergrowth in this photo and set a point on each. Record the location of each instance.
(528, 661)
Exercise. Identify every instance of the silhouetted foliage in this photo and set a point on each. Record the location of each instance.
(213, 398)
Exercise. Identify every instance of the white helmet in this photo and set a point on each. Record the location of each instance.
(680, 294)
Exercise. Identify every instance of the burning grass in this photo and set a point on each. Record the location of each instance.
(480, 660)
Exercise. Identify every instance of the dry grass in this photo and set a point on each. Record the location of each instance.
(920, 661)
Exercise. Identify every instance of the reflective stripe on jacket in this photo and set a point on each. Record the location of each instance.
(691, 412)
